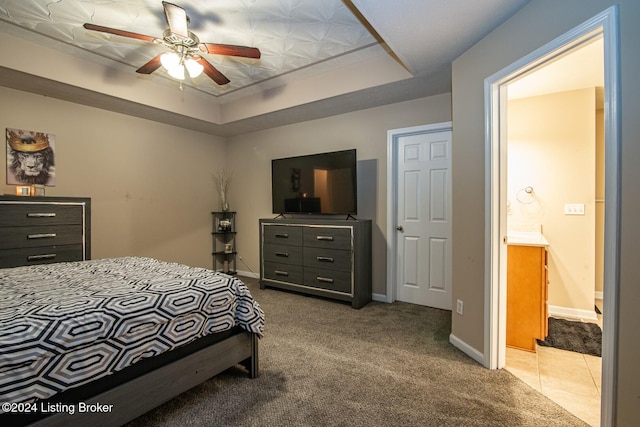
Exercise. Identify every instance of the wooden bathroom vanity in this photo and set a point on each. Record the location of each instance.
(527, 291)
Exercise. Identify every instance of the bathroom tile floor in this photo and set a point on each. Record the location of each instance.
(570, 379)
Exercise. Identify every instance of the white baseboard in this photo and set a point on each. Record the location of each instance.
(379, 297)
(248, 274)
(572, 313)
(466, 349)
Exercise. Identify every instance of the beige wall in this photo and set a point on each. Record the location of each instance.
(151, 186)
(551, 147)
(250, 158)
(149, 183)
(514, 39)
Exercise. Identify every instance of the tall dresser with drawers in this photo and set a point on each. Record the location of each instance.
(38, 230)
(329, 258)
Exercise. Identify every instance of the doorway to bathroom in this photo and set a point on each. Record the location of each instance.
(497, 86)
(555, 217)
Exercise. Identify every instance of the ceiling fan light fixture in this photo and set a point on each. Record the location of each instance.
(177, 72)
(193, 67)
(184, 47)
(169, 60)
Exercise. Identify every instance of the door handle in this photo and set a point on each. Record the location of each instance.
(399, 228)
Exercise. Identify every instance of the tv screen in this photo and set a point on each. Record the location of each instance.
(322, 183)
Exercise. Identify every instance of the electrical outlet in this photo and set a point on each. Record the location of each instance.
(460, 307)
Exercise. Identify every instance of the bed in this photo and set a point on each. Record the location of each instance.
(104, 341)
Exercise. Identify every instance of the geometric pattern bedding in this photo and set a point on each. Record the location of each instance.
(66, 324)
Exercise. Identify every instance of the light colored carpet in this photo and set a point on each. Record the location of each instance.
(323, 363)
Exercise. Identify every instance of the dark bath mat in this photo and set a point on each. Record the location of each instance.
(575, 336)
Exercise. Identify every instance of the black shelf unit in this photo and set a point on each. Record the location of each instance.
(224, 242)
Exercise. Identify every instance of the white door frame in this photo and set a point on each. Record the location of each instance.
(392, 194)
(606, 24)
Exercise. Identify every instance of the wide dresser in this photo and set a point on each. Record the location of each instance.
(38, 230)
(328, 258)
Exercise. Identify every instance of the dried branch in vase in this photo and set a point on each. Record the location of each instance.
(222, 179)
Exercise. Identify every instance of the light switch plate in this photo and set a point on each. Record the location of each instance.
(574, 209)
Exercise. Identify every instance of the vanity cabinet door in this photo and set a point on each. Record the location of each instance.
(527, 291)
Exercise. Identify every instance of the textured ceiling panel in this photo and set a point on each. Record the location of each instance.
(291, 34)
(319, 57)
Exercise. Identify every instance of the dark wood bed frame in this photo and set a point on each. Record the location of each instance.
(141, 394)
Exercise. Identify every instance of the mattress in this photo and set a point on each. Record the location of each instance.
(66, 324)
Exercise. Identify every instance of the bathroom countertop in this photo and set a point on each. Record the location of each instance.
(526, 238)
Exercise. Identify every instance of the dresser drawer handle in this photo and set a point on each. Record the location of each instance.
(41, 214)
(41, 236)
(283, 254)
(282, 235)
(324, 279)
(324, 259)
(329, 238)
(40, 257)
(281, 273)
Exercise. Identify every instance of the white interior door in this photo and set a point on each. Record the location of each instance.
(423, 229)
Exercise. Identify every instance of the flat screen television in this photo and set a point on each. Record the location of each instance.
(323, 183)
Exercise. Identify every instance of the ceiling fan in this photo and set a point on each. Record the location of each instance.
(185, 48)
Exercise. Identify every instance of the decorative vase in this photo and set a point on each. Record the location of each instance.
(222, 179)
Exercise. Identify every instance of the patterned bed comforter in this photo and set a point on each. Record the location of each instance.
(63, 325)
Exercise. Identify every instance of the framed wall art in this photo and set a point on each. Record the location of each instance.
(30, 158)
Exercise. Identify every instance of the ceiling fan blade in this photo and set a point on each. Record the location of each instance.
(150, 66)
(176, 18)
(230, 50)
(212, 71)
(120, 32)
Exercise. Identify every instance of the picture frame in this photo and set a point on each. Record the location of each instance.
(37, 190)
(23, 190)
(34, 148)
